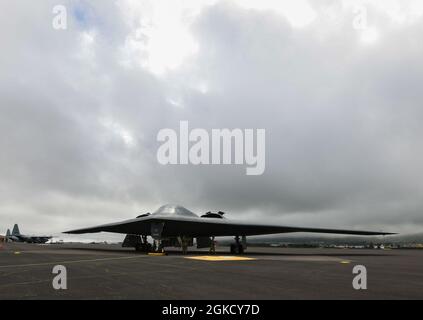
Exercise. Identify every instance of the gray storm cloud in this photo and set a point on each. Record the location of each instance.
(81, 108)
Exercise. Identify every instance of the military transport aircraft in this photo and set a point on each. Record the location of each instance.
(16, 236)
(175, 226)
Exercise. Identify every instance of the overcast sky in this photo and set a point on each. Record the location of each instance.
(341, 105)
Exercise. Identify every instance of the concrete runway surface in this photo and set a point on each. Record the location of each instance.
(110, 272)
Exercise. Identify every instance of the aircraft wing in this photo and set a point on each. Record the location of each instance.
(206, 227)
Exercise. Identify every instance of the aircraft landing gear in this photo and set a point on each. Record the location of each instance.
(184, 246)
(144, 246)
(183, 243)
(212, 246)
(158, 246)
(237, 248)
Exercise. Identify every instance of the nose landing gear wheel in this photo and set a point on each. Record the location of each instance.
(143, 247)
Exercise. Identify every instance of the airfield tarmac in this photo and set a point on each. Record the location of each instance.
(110, 272)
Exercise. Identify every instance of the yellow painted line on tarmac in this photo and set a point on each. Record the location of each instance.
(17, 252)
(220, 258)
(157, 254)
(69, 262)
(345, 262)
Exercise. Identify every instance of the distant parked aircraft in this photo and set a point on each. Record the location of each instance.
(16, 236)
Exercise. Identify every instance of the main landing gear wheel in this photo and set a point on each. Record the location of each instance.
(144, 247)
(158, 247)
(237, 248)
(212, 249)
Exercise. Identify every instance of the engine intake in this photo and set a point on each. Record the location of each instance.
(144, 215)
(218, 215)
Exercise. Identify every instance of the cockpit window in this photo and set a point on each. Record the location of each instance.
(170, 210)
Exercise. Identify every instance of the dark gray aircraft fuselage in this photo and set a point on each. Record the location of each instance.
(173, 225)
